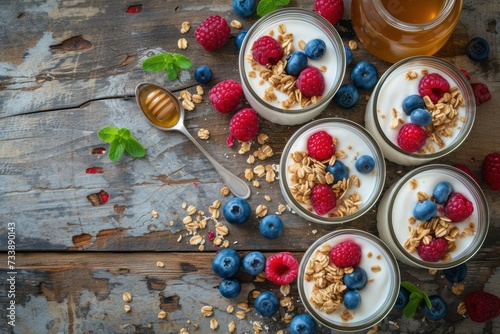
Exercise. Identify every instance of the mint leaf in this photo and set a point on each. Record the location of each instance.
(427, 300)
(172, 71)
(157, 63)
(410, 308)
(124, 133)
(108, 133)
(282, 2)
(182, 61)
(134, 148)
(116, 149)
(412, 288)
(168, 62)
(267, 6)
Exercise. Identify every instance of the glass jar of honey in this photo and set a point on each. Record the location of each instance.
(396, 29)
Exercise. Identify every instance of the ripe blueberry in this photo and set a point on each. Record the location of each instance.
(348, 55)
(203, 74)
(425, 210)
(271, 226)
(365, 164)
(230, 288)
(477, 49)
(239, 38)
(266, 304)
(315, 49)
(355, 280)
(226, 263)
(438, 310)
(412, 102)
(352, 299)
(456, 274)
(338, 170)
(236, 211)
(403, 298)
(295, 63)
(364, 75)
(421, 117)
(347, 96)
(303, 324)
(244, 7)
(442, 191)
(254, 263)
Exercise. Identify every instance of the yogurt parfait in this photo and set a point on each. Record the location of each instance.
(435, 217)
(291, 64)
(348, 280)
(421, 109)
(331, 171)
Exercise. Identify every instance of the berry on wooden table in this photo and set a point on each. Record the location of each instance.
(331, 10)
(266, 304)
(303, 324)
(254, 263)
(482, 306)
(203, 74)
(212, 33)
(271, 226)
(438, 309)
(347, 96)
(236, 211)
(364, 75)
(491, 170)
(226, 95)
(282, 268)
(230, 288)
(477, 49)
(456, 274)
(346, 254)
(481, 93)
(244, 7)
(226, 263)
(244, 125)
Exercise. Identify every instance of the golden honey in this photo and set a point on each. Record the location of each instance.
(164, 109)
(396, 29)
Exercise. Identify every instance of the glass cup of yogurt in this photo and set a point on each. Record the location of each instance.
(377, 296)
(452, 116)
(270, 90)
(355, 192)
(403, 233)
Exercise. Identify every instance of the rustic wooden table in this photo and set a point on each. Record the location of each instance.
(69, 68)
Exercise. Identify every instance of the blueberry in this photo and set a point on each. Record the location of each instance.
(456, 274)
(442, 191)
(403, 298)
(266, 304)
(477, 49)
(425, 210)
(348, 55)
(230, 288)
(338, 170)
(295, 62)
(203, 74)
(239, 38)
(315, 49)
(365, 164)
(302, 324)
(421, 117)
(254, 263)
(438, 310)
(355, 280)
(226, 263)
(244, 7)
(271, 226)
(347, 96)
(236, 211)
(412, 102)
(352, 299)
(364, 75)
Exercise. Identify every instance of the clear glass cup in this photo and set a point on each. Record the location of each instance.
(393, 87)
(396, 29)
(396, 209)
(377, 296)
(354, 141)
(304, 25)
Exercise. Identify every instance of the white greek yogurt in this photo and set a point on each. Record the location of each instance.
(304, 25)
(391, 90)
(354, 141)
(377, 296)
(396, 208)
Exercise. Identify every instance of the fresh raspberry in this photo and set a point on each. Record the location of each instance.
(266, 50)
(332, 10)
(244, 125)
(457, 208)
(320, 146)
(226, 95)
(323, 199)
(346, 254)
(482, 306)
(434, 86)
(311, 82)
(466, 170)
(481, 93)
(213, 32)
(433, 251)
(411, 137)
(491, 170)
(282, 268)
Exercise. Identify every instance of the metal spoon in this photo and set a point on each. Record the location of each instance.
(164, 111)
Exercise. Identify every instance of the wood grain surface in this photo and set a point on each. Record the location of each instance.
(69, 68)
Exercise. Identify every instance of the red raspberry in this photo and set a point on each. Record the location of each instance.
(482, 306)
(311, 82)
(491, 170)
(346, 254)
(434, 86)
(323, 199)
(226, 95)
(457, 208)
(244, 125)
(433, 251)
(411, 137)
(266, 50)
(481, 93)
(466, 169)
(332, 10)
(320, 146)
(213, 32)
(282, 268)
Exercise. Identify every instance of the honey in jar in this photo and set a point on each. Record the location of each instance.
(396, 29)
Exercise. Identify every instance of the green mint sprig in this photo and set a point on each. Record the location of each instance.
(267, 6)
(121, 140)
(172, 63)
(416, 296)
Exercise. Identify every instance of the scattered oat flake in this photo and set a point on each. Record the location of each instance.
(160, 264)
